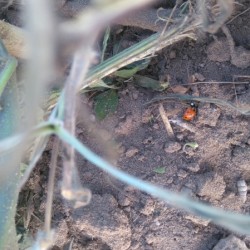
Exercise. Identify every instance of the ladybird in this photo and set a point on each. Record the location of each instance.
(190, 112)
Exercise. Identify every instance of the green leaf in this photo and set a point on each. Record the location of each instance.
(160, 170)
(105, 42)
(193, 145)
(142, 64)
(150, 83)
(106, 103)
(132, 69)
(126, 73)
(101, 84)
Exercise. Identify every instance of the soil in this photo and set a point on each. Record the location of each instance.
(134, 138)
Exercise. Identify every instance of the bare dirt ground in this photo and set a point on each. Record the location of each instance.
(135, 139)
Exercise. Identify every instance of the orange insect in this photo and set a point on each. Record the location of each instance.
(190, 112)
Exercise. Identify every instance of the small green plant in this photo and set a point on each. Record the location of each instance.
(160, 170)
(106, 103)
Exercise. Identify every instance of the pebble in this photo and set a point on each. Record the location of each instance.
(172, 54)
(231, 243)
(131, 152)
(180, 137)
(146, 116)
(149, 207)
(157, 223)
(121, 149)
(135, 95)
(193, 167)
(156, 126)
(170, 180)
(142, 158)
(199, 77)
(149, 238)
(182, 174)
(123, 200)
(171, 147)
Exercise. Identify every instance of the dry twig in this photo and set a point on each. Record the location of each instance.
(166, 122)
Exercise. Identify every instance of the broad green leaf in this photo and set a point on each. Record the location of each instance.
(106, 103)
(126, 73)
(150, 83)
(160, 170)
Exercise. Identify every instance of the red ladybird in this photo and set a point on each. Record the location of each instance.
(190, 112)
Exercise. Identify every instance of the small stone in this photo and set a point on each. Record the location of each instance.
(157, 223)
(172, 54)
(182, 174)
(79, 130)
(121, 149)
(156, 126)
(180, 137)
(170, 180)
(123, 200)
(125, 92)
(231, 243)
(127, 209)
(131, 152)
(178, 89)
(129, 189)
(150, 238)
(135, 95)
(149, 207)
(193, 167)
(142, 158)
(146, 116)
(199, 77)
(171, 147)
